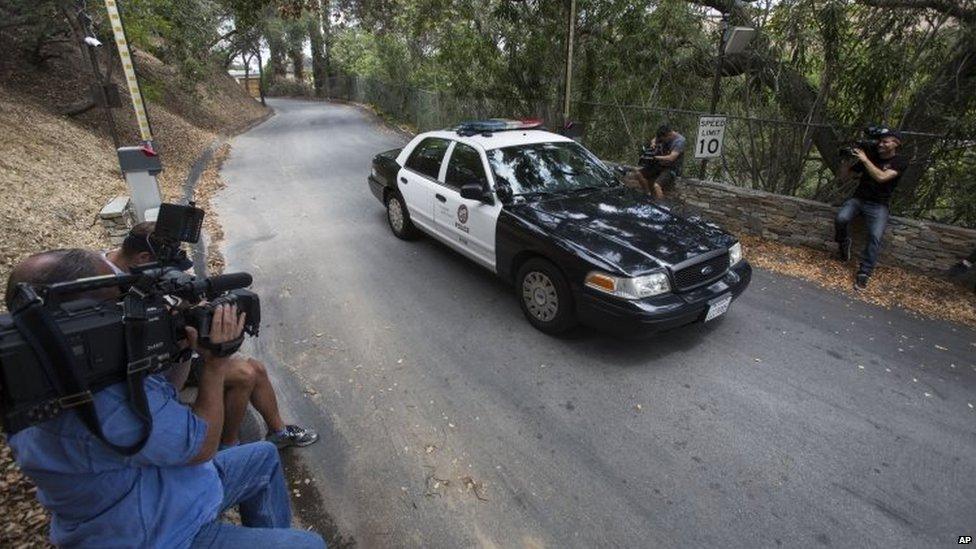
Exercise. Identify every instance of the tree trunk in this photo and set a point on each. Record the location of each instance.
(295, 33)
(277, 54)
(327, 38)
(297, 59)
(317, 42)
(247, 72)
(257, 52)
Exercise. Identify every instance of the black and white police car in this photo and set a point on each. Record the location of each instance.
(544, 213)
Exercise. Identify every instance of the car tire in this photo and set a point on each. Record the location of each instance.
(399, 218)
(545, 297)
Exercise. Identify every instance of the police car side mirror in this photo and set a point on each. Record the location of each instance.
(474, 191)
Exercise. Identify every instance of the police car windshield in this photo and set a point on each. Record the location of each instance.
(547, 168)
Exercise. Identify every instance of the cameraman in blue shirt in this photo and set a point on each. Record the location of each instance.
(171, 493)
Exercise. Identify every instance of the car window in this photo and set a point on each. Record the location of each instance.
(465, 167)
(427, 156)
(548, 167)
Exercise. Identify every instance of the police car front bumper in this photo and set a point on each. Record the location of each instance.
(659, 313)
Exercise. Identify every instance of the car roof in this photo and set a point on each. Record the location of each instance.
(500, 139)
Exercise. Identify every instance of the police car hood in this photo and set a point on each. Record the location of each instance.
(624, 228)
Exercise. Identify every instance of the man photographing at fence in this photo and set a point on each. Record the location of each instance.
(661, 161)
(107, 487)
(879, 172)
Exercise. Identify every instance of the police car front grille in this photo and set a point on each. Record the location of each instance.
(690, 277)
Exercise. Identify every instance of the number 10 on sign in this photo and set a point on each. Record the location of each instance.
(711, 132)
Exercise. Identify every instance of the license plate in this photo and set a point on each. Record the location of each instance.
(718, 307)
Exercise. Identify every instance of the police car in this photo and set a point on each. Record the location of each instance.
(545, 214)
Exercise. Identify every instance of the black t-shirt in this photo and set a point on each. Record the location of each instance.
(872, 191)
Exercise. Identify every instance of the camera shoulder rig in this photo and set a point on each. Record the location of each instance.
(36, 325)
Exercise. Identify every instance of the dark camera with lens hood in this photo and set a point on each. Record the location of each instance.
(868, 143)
(57, 350)
(646, 156)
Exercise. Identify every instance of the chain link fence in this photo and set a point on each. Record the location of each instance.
(773, 155)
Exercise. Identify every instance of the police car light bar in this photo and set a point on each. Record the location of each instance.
(491, 125)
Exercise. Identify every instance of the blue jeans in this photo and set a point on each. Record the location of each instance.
(253, 480)
(875, 220)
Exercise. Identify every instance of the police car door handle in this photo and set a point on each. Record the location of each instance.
(403, 180)
(440, 197)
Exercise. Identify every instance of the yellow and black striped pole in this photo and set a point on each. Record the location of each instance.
(118, 30)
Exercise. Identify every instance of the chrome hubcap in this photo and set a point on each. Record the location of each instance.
(395, 211)
(539, 296)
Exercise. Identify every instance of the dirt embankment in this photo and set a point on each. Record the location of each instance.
(58, 170)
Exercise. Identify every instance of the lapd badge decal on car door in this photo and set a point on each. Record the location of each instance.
(462, 218)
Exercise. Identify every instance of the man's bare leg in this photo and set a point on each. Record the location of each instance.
(263, 397)
(247, 382)
(664, 179)
(658, 192)
(239, 382)
(641, 182)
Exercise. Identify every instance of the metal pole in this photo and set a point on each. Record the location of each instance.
(571, 24)
(93, 59)
(717, 80)
(89, 32)
(128, 68)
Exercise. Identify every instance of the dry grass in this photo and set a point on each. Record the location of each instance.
(24, 522)
(55, 176)
(889, 286)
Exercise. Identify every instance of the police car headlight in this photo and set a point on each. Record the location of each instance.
(629, 288)
(735, 253)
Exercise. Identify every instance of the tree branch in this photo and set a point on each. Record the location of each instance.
(227, 35)
(947, 7)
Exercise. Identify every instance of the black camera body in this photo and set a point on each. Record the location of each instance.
(868, 144)
(646, 157)
(54, 353)
(95, 334)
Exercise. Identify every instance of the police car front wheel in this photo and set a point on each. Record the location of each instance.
(545, 297)
(399, 218)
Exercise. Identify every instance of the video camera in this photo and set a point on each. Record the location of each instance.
(56, 351)
(868, 144)
(646, 156)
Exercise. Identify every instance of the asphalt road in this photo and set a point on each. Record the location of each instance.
(801, 418)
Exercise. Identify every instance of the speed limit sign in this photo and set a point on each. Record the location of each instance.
(711, 132)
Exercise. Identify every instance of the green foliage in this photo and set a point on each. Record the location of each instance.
(179, 32)
(838, 61)
(152, 91)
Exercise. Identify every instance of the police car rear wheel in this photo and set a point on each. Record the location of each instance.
(545, 296)
(399, 218)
